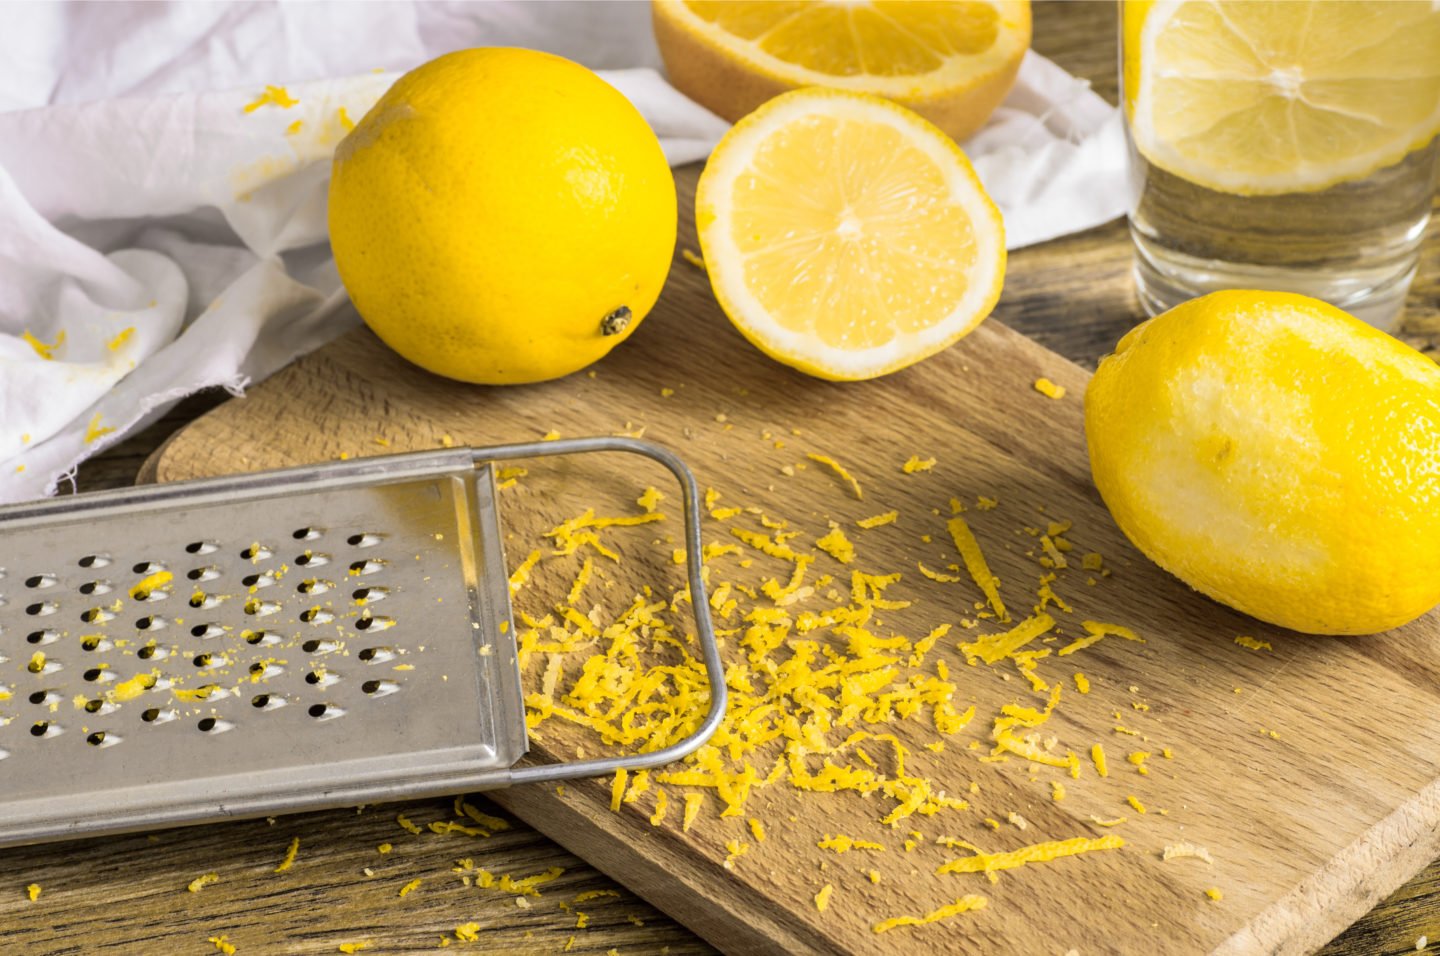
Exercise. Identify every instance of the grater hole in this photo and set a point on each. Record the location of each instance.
(153, 622)
(321, 647)
(369, 622)
(258, 580)
(365, 539)
(203, 660)
(370, 595)
(41, 581)
(94, 615)
(95, 642)
(379, 688)
(96, 587)
(94, 674)
(148, 567)
(40, 697)
(45, 728)
(314, 586)
(369, 566)
(307, 534)
(151, 715)
(207, 631)
(204, 602)
(376, 655)
(258, 608)
(316, 615)
(320, 677)
(101, 739)
(152, 651)
(43, 608)
(324, 711)
(93, 706)
(267, 701)
(201, 547)
(46, 636)
(264, 670)
(257, 552)
(259, 637)
(205, 573)
(94, 561)
(312, 559)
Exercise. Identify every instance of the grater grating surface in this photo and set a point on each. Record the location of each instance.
(239, 646)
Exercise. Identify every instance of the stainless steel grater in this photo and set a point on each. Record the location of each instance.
(312, 637)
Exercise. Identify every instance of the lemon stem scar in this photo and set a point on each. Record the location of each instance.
(615, 322)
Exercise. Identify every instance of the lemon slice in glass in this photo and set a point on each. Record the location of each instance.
(1260, 97)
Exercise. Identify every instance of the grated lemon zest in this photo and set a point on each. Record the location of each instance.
(200, 882)
(1098, 630)
(272, 96)
(822, 899)
(1035, 853)
(975, 563)
(964, 904)
(916, 463)
(875, 521)
(1253, 644)
(289, 859)
(839, 469)
(1049, 389)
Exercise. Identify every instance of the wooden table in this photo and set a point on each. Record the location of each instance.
(1084, 276)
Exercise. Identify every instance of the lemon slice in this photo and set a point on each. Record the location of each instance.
(846, 236)
(952, 61)
(1262, 97)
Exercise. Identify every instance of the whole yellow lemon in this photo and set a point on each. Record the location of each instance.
(1278, 455)
(502, 216)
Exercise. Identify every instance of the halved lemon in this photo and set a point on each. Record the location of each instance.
(1261, 97)
(952, 61)
(846, 236)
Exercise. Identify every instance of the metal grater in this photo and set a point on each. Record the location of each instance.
(326, 636)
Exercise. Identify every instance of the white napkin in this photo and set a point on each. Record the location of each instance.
(162, 221)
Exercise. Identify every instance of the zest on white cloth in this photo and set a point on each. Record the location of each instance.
(163, 175)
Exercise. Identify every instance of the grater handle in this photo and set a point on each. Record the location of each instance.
(710, 652)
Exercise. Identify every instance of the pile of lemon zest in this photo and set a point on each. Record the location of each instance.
(1215, 894)
(1253, 644)
(522, 573)
(1057, 560)
(916, 463)
(822, 899)
(1097, 754)
(693, 803)
(273, 96)
(992, 648)
(289, 859)
(839, 469)
(222, 944)
(764, 544)
(1098, 630)
(131, 688)
(975, 563)
(1049, 389)
(1035, 853)
(837, 546)
(1135, 803)
(1182, 850)
(33, 891)
(875, 521)
(617, 789)
(468, 932)
(405, 824)
(936, 575)
(202, 692)
(650, 500)
(150, 583)
(964, 904)
(844, 844)
(200, 882)
(662, 803)
(95, 431)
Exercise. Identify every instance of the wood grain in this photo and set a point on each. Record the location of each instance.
(1072, 294)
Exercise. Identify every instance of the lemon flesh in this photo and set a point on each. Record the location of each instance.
(1278, 455)
(1261, 97)
(502, 216)
(847, 237)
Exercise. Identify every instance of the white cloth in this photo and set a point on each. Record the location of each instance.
(156, 238)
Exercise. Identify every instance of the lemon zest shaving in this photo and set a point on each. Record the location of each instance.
(964, 904)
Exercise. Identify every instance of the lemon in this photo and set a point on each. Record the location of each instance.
(952, 62)
(846, 236)
(1278, 455)
(502, 216)
(1260, 97)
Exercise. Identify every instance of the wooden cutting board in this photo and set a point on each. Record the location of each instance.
(1308, 770)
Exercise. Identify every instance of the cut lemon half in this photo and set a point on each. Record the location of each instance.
(846, 236)
(1260, 97)
(952, 61)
